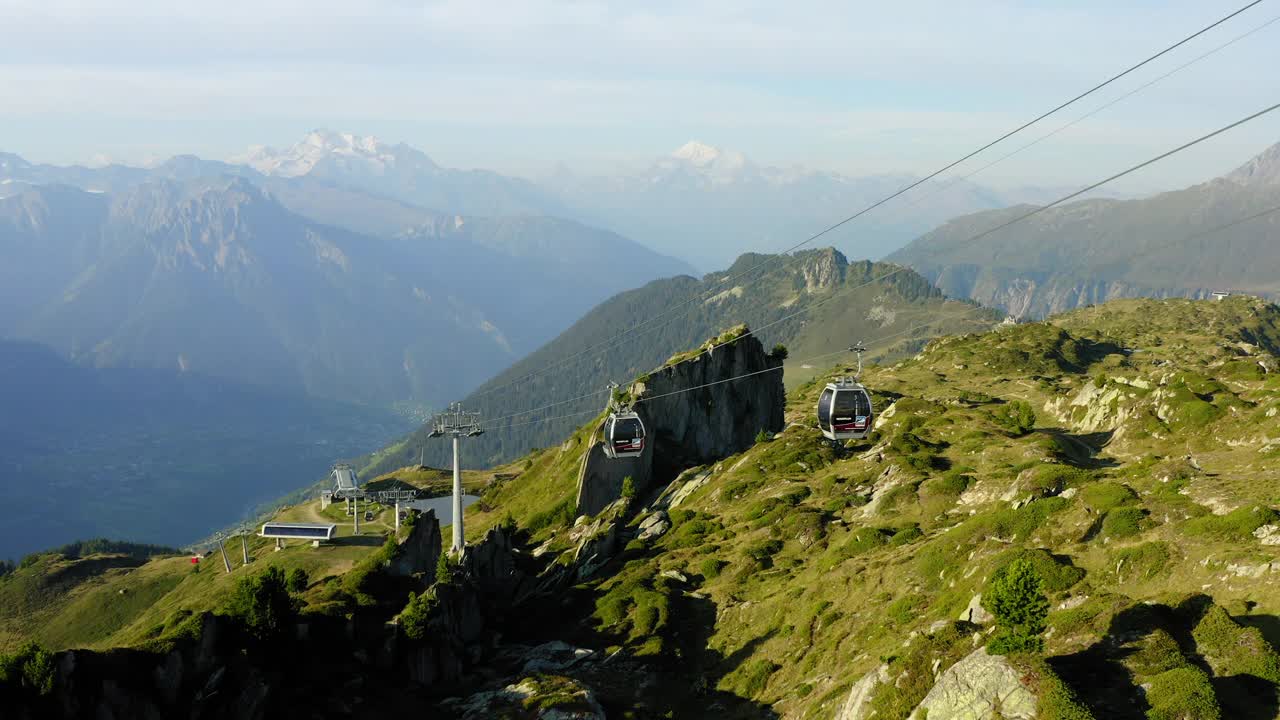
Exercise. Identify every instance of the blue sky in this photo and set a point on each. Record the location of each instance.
(854, 87)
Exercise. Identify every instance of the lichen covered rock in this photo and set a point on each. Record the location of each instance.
(977, 688)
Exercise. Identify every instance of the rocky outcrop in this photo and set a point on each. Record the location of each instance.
(546, 697)
(420, 551)
(491, 565)
(979, 687)
(1031, 295)
(696, 411)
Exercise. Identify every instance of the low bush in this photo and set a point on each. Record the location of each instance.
(1238, 524)
(1057, 574)
(1142, 562)
(1235, 650)
(1184, 693)
(1123, 522)
(1104, 496)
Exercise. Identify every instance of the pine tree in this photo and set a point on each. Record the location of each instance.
(1015, 596)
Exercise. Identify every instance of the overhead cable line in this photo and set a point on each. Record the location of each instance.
(610, 343)
(959, 179)
(985, 233)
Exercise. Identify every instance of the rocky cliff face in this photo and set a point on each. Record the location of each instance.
(420, 550)
(1040, 294)
(695, 411)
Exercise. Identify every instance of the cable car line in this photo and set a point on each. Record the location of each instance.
(1036, 211)
(959, 179)
(878, 203)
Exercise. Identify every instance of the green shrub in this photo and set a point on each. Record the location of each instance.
(779, 351)
(1016, 418)
(1016, 599)
(31, 667)
(262, 603)
(446, 568)
(906, 535)
(905, 609)
(1238, 524)
(628, 487)
(950, 484)
(1157, 653)
(1123, 522)
(1057, 575)
(1184, 693)
(417, 614)
(1104, 496)
(691, 529)
(1235, 650)
(761, 552)
(863, 540)
(711, 567)
(297, 580)
(1142, 562)
(763, 437)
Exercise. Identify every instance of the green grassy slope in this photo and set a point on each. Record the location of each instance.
(1141, 479)
(819, 564)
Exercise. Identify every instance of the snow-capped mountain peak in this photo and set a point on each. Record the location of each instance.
(364, 154)
(697, 153)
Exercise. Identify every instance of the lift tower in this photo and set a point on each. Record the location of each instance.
(459, 424)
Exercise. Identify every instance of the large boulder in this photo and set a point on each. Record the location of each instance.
(980, 687)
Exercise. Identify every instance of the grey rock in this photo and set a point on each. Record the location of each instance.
(858, 705)
(553, 656)
(976, 688)
(674, 575)
(654, 526)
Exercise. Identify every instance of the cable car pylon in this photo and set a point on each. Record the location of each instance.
(457, 423)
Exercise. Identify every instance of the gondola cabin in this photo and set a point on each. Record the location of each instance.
(623, 435)
(844, 411)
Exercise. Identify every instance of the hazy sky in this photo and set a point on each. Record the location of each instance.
(856, 87)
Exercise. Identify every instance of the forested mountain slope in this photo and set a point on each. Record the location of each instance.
(814, 304)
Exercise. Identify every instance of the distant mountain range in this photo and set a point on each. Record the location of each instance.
(223, 275)
(702, 204)
(708, 205)
(1222, 235)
